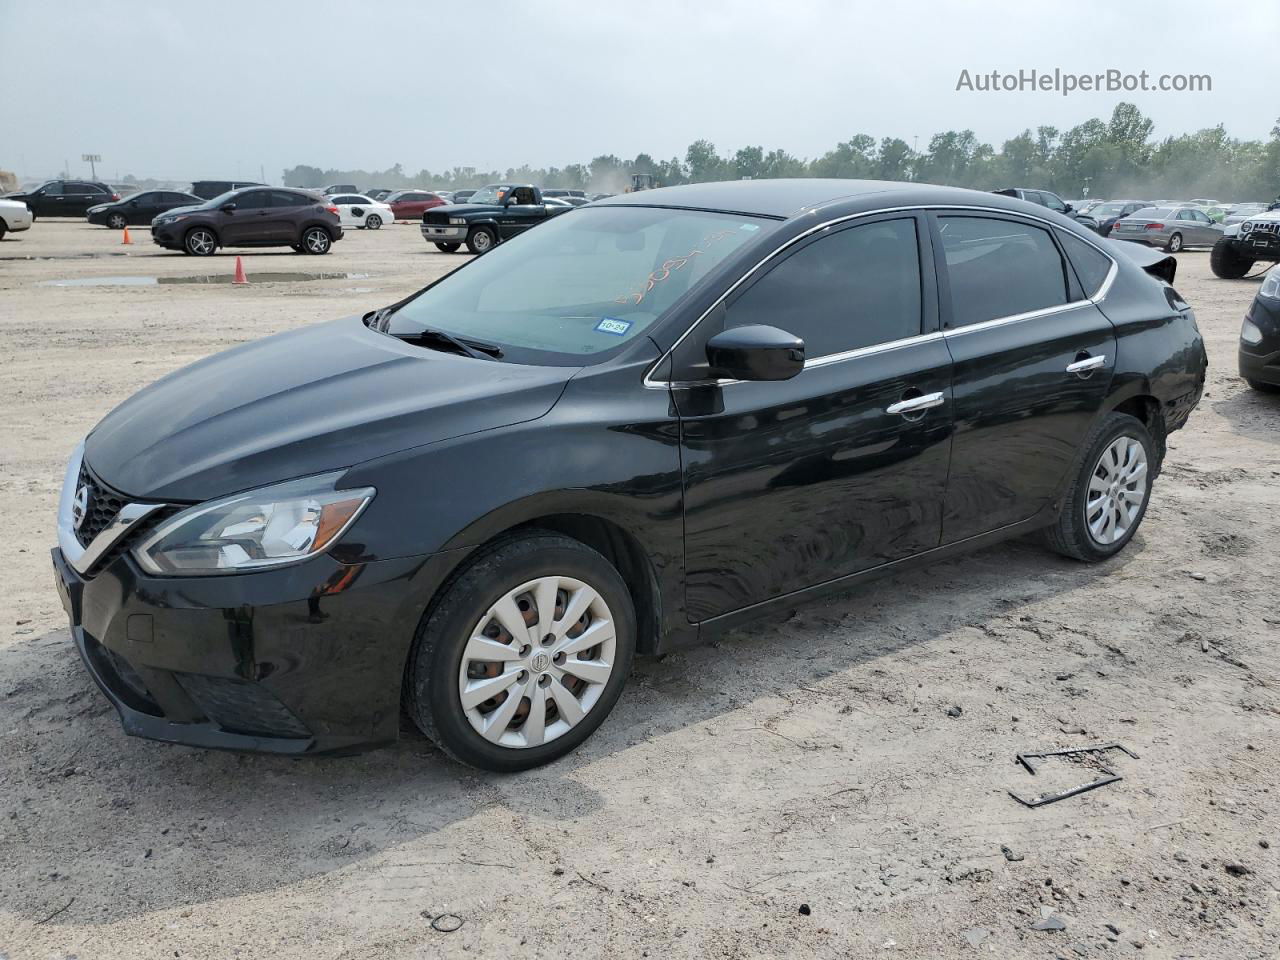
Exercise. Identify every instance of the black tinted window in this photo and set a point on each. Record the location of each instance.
(1090, 263)
(282, 198)
(52, 189)
(855, 288)
(999, 268)
(253, 200)
(75, 186)
(1052, 201)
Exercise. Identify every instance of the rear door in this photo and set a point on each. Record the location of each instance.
(284, 222)
(790, 484)
(346, 204)
(1033, 363)
(79, 196)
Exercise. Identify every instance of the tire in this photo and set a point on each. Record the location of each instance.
(1226, 262)
(316, 241)
(373, 222)
(200, 242)
(438, 669)
(1262, 387)
(117, 221)
(448, 247)
(1174, 244)
(1087, 505)
(4, 227)
(481, 240)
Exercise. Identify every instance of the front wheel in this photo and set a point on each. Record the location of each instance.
(200, 242)
(524, 654)
(1226, 262)
(1174, 244)
(481, 240)
(1108, 497)
(448, 247)
(117, 221)
(373, 222)
(316, 241)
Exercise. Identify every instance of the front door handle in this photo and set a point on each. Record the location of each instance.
(1087, 365)
(916, 404)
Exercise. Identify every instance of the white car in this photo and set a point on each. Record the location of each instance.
(357, 210)
(14, 215)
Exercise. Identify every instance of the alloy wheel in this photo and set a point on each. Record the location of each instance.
(537, 662)
(1117, 491)
(201, 242)
(374, 222)
(116, 222)
(316, 240)
(1175, 243)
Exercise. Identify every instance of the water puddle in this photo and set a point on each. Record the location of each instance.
(256, 277)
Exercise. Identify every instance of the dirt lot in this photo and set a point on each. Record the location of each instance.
(801, 789)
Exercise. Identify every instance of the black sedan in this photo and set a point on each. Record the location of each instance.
(625, 431)
(1260, 337)
(139, 209)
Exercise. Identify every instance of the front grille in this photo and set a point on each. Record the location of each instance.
(238, 706)
(440, 219)
(104, 504)
(1266, 226)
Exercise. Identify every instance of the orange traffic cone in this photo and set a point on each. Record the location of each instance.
(240, 277)
(125, 238)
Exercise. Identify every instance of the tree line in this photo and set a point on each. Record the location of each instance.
(1117, 158)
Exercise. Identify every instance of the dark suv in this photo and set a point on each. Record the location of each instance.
(251, 217)
(65, 198)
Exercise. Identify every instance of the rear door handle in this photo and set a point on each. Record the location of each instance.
(916, 404)
(1087, 365)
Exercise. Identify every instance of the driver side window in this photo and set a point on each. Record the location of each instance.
(253, 200)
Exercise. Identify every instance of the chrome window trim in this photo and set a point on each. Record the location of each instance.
(81, 558)
(649, 382)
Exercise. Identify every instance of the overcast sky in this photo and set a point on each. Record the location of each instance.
(224, 88)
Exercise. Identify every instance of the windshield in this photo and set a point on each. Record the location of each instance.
(579, 285)
(490, 194)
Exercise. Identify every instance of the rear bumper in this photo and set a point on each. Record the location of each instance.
(302, 660)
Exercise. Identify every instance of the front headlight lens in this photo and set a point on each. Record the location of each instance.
(457, 221)
(268, 527)
(1271, 284)
(1246, 227)
(1250, 334)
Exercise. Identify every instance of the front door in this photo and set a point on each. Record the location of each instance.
(1033, 363)
(794, 483)
(247, 223)
(521, 213)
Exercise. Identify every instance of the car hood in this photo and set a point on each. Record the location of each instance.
(305, 402)
(187, 209)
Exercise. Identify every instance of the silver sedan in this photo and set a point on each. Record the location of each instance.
(1172, 228)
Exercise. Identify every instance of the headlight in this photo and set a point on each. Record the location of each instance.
(268, 527)
(457, 221)
(1250, 334)
(1246, 226)
(165, 221)
(1271, 284)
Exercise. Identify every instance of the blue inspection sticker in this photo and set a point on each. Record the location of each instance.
(614, 326)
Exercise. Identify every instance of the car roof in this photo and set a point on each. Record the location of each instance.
(785, 199)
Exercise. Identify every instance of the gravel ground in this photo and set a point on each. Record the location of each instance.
(830, 785)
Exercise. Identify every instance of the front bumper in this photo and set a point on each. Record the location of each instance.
(436, 233)
(1259, 246)
(305, 659)
(16, 220)
(1261, 361)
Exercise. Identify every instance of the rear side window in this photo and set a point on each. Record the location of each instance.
(1091, 265)
(1000, 268)
(281, 198)
(855, 288)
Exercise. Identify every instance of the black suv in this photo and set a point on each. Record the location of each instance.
(139, 209)
(64, 198)
(251, 217)
(208, 189)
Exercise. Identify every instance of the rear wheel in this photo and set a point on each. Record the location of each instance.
(1174, 244)
(373, 222)
(481, 240)
(448, 247)
(200, 242)
(1226, 262)
(524, 655)
(117, 221)
(1108, 496)
(316, 241)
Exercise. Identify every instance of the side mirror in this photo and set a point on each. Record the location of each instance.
(1067, 208)
(228, 207)
(755, 352)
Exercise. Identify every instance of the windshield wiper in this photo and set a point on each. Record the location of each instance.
(470, 348)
